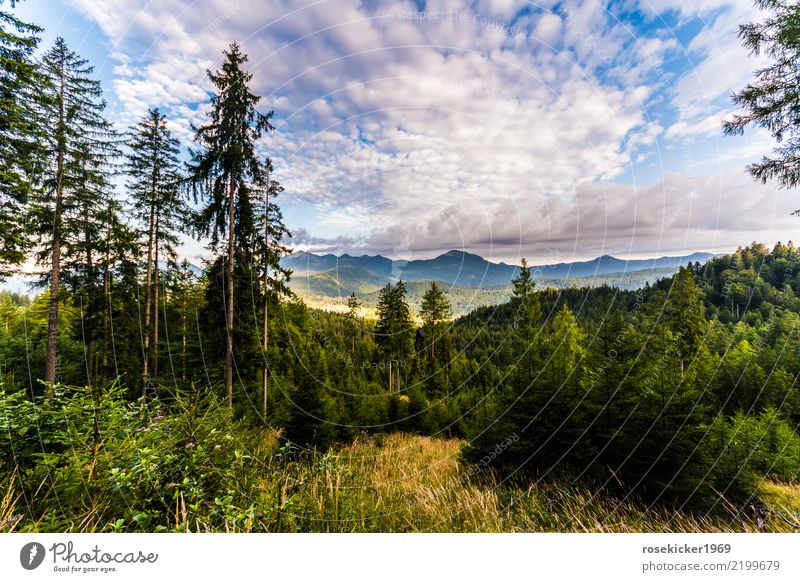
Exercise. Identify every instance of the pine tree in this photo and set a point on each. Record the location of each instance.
(685, 314)
(352, 320)
(95, 243)
(434, 309)
(394, 331)
(527, 310)
(568, 350)
(527, 315)
(226, 172)
(548, 405)
(79, 145)
(152, 165)
(270, 233)
(19, 132)
(309, 423)
(772, 100)
(613, 381)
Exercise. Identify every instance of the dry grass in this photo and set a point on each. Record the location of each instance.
(403, 483)
(406, 483)
(8, 518)
(785, 501)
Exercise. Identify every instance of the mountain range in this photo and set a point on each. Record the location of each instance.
(468, 279)
(462, 269)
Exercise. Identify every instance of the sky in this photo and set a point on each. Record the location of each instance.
(554, 131)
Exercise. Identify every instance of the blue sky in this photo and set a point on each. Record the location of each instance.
(550, 130)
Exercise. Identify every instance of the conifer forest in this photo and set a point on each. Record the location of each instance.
(144, 388)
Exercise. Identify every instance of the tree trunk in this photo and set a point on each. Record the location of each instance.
(155, 307)
(183, 340)
(229, 298)
(90, 331)
(90, 352)
(265, 372)
(148, 295)
(55, 265)
(106, 320)
(433, 348)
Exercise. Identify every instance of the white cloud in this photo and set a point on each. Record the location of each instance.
(470, 124)
(678, 214)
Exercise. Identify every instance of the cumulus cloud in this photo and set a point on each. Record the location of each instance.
(497, 125)
(678, 214)
(720, 67)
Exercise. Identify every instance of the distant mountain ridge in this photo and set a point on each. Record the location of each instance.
(335, 276)
(462, 269)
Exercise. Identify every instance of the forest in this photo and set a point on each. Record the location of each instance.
(137, 394)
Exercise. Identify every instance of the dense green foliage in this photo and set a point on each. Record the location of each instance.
(19, 133)
(682, 392)
(154, 178)
(771, 99)
(643, 391)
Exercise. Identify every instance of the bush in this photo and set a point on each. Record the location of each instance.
(89, 460)
(743, 450)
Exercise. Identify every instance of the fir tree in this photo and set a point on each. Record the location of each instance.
(153, 170)
(613, 382)
(118, 254)
(226, 172)
(19, 133)
(394, 331)
(527, 310)
(352, 320)
(527, 315)
(772, 100)
(185, 298)
(80, 145)
(434, 310)
(685, 314)
(270, 233)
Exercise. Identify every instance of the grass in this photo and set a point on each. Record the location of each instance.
(784, 499)
(8, 517)
(401, 483)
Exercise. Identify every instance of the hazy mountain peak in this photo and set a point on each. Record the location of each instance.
(464, 269)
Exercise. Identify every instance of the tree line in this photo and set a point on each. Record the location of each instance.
(60, 206)
(682, 391)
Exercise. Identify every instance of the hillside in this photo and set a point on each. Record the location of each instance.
(344, 274)
(330, 289)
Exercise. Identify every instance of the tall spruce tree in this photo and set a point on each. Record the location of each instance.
(613, 382)
(153, 168)
(19, 131)
(527, 309)
(227, 172)
(394, 332)
(685, 315)
(772, 99)
(94, 239)
(185, 297)
(120, 253)
(351, 329)
(79, 145)
(434, 310)
(270, 234)
(527, 316)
